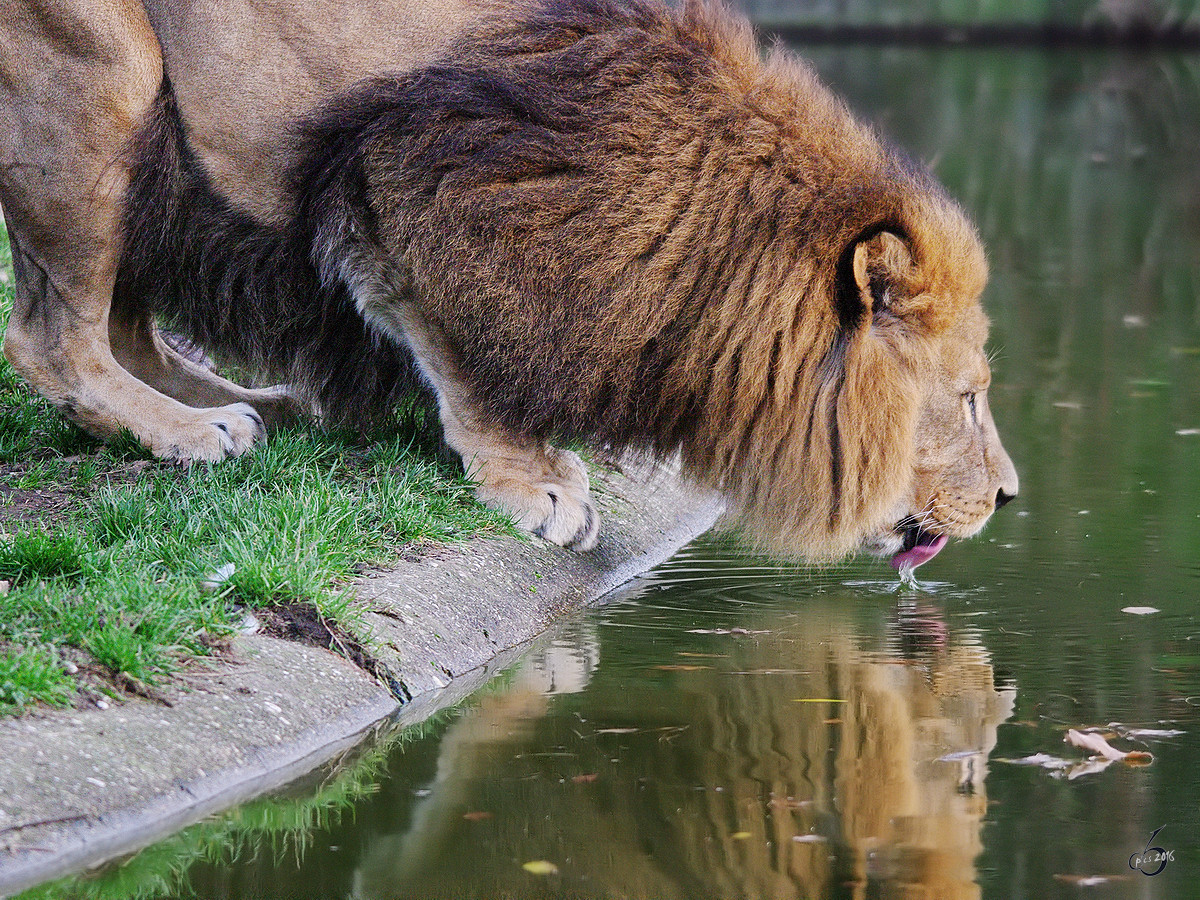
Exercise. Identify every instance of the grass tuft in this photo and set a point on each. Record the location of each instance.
(30, 554)
(30, 675)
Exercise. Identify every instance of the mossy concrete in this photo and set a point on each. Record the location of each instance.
(81, 787)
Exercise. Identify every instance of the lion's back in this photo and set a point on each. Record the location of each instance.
(243, 73)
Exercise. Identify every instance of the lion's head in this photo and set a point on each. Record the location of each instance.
(882, 438)
(958, 473)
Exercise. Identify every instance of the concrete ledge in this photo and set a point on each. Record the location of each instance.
(81, 787)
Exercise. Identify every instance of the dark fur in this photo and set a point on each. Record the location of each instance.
(245, 291)
(499, 184)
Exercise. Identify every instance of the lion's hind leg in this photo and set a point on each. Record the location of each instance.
(79, 81)
(142, 351)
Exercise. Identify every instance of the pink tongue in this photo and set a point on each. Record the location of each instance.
(920, 554)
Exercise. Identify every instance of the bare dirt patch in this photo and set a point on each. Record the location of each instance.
(304, 624)
(52, 504)
(48, 506)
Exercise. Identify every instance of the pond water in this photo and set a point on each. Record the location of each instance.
(732, 728)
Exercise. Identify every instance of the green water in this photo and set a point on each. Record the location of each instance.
(730, 728)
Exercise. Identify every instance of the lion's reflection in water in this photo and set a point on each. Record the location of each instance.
(788, 762)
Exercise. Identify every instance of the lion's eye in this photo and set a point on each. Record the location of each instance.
(969, 399)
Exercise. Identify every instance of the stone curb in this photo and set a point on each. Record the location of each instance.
(80, 787)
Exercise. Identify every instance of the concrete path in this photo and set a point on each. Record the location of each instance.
(80, 787)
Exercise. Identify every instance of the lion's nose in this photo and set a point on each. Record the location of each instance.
(1006, 478)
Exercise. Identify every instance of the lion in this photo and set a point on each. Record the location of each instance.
(610, 223)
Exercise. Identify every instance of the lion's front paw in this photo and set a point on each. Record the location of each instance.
(546, 494)
(213, 435)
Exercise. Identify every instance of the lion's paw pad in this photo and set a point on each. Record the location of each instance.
(560, 512)
(216, 434)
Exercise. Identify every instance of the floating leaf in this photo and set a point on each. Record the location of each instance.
(957, 755)
(1091, 766)
(1044, 760)
(1100, 747)
(737, 631)
(540, 867)
(1093, 742)
(1141, 734)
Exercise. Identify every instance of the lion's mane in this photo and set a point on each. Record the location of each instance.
(632, 231)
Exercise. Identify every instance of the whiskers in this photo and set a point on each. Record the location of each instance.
(923, 520)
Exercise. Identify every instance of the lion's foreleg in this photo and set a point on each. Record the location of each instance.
(543, 488)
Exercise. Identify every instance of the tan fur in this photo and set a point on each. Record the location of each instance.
(710, 235)
(75, 80)
(244, 72)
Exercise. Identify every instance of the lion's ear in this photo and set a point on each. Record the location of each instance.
(883, 272)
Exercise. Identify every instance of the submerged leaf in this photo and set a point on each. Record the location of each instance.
(817, 700)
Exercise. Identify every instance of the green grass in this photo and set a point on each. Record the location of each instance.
(120, 567)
